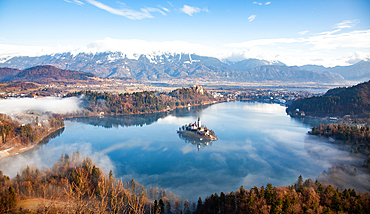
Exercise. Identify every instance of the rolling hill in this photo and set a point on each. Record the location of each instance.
(6, 73)
(343, 101)
(43, 74)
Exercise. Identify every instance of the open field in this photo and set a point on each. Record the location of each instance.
(35, 203)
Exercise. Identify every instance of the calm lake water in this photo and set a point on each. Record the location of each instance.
(257, 144)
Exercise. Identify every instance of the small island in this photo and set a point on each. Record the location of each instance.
(196, 130)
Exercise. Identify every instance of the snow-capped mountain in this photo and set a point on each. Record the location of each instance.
(166, 65)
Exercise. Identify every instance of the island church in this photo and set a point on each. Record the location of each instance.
(196, 125)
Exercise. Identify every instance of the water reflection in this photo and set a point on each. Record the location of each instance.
(195, 141)
(43, 142)
(342, 167)
(52, 135)
(136, 120)
(258, 144)
(11, 165)
(327, 153)
(123, 120)
(312, 121)
(194, 110)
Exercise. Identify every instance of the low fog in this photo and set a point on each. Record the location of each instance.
(16, 107)
(346, 176)
(47, 104)
(45, 158)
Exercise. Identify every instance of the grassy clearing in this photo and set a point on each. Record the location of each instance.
(33, 204)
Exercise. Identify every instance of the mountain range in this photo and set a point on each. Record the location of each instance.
(44, 74)
(357, 72)
(190, 66)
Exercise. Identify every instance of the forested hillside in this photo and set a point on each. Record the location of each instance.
(15, 136)
(353, 100)
(77, 185)
(141, 102)
(357, 137)
(303, 197)
(7, 72)
(43, 74)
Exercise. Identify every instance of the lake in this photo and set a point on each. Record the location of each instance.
(257, 144)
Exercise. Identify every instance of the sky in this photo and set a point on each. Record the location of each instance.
(295, 32)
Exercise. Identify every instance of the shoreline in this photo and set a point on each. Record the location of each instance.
(139, 113)
(18, 150)
(22, 149)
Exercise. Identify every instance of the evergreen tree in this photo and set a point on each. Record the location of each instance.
(286, 203)
(133, 186)
(12, 198)
(300, 181)
(168, 207)
(199, 205)
(155, 206)
(161, 205)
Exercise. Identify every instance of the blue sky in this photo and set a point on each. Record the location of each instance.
(295, 32)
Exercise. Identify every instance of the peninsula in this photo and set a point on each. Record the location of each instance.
(16, 137)
(196, 130)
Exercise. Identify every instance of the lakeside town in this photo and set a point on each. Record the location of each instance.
(267, 95)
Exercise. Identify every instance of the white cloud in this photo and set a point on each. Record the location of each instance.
(293, 57)
(329, 32)
(187, 149)
(165, 9)
(252, 17)
(128, 13)
(354, 39)
(259, 3)
(355, 57)
(190, 10)
(346, 24)
(329, 49)
(260, 42)
(218, 158)
(133, 48)
(152, 9)
(326, 40)
(303, 32)
(55, 105)
(21, 50)
(75, 2)
(254, 52)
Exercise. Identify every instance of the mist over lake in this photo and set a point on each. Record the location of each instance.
(257, 144)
